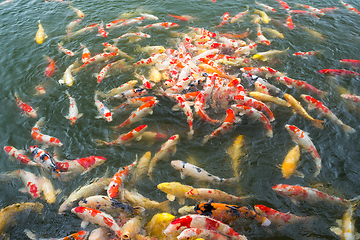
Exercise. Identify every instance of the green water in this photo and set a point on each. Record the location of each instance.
(22, 68)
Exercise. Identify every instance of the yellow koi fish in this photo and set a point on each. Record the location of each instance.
(267, 98)
(235, 153)
(266, 56)
(290, 163)
(40, 34)
(158, 224)
(264, 17)
(175, 189)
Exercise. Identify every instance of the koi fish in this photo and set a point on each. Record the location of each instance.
(138, 114)
(158, 223)
(135, 102)
(133, 37)
(180, 18)
(131, 228)
(303, 12)
(94, 188)
(235, 152)
(289, 22)
(264, 17)
(203, 222)
(96, 217)
(50, 69)
(156, 57)
(322, 109)
(196, 172)
(251, 102)
(103, 110)
(68, 79)
(64, 50)
(311, 9)
(349, 7)
(74, 114)
(113, 48)
(274, 33)
(353, 98)
(290, 163)
(125, 138)
(352, 62)
(9, 214)
(25, 108)
(169, 147)
(137, 199)
(141, 167)
(283, 4)
(115, 91)
(69, 168)
(268, 98)
(18, 155)
(147, 84)
(225, 126)
(116, 187)
(338, 72)
(312, 195)
(298, 108)
(79, 13)
(306, 54)
(42, 138)
(86, 55)
(80, 235)
(247, 49)
(199, 233)
(48, 190)
(225, 20)
(160, 25)
(174, 190)
(81, 31)
(266, 7)
(40, 34)
(278, 218)
(300, 137)
(240, 15)
(255, 115)
(204, 32)
(268, 55)
(114, 23)
(150, 49)
(298, 84)
(206, 194)
(330, 9)
(71, 25)
(31, 181)
(228, 213)
(152, 137)
(346, 229)
(44, 158)
(261, 38)
(100, 58)
(199, 109)
(102, 31)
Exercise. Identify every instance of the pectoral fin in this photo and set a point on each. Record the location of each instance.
(84, 224)
(170, 197)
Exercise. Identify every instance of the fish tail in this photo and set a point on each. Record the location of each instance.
(269, 133)
(348, 129)
(318, 123)
(30, 234)
(165, 206)
(100, 142)
(138, 210)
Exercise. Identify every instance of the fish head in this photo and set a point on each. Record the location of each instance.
(33, 148)
(108, 117)
(8, 149)
(113, 190)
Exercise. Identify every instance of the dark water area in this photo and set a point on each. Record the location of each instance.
(22, 68)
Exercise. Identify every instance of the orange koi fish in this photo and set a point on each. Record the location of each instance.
(338, 72)
(228, 213)
(126, 138)
(298, 84)
(103, 110)
(180, 18)
(225, 20)
(25, 108)
(50, 69)
(102, 31)
(300, 137)
(349, 7)
(354, 63)
(116, 183)
(42, 138)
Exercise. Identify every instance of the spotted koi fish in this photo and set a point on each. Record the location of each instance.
(300, 137)
(203, 222)
(247, 49)
(203, 32)
(103, 110)
(42, 138)
(306, 54)
(131, 93)
(116, 187)
(18, 155)
(225, 20)
(283, 4)
(278, 218)
(353, 98)
(97, 217)
(311, 9)
(205, 194)
(251, 102)
(86, 55)
(225, 126)
(135, 102)
(138, 114)
(113, 48)
(199, 109)
(115, 91)
(289, 22)
(133, 37)
(266, 7)
(322, 109)
(240, 15)
(100, 58)
(64, 50)
(156, 57)
(126, 138)
(297, 193)
(102, 31)
(255, 115)
(338, 72)
(44, 158)
(160, 25)
(147, 84)
(25, 108)
(31, 181)
(228, 213)
(74, 114)
(298, 84)
(196, 172)
(50, 69)
(349, 7)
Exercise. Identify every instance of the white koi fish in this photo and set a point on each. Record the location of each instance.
(115, 91)
(79, 13)
(64, 50)
(42, 138)
(19, 155)
(68, 79)
(44, 158)
(74, 114)
(103, 110)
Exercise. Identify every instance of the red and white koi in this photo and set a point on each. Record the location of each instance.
(225, 20)
(278, 218)
(42, 138)
(349, 7)
(74, 114)
(225, 126)
(81, 31)
(79, 13)
(31, 181)
(255, 115)
(116, 185)
(122, 88)
(203, 32)
(251, 102)
(114, 23)
(147, 84)
(132, 93)
(160, 25)
(311, 9)
(126, 138)
(259, 87)
(71, 25)
(100, 58)
(354, 63)
(247, 49)
(266, 7)
(25, 108)
(64, 50)
(155, 58)
(126, 22)
(283, 4)
(354, 98)
(289, 22)
(203, 222)
(270, 72)
(323, 110)
(138, 114)
(79, 166)
(199, 109)
(297, 193)
(102, 31)
(44, 158)
(300, 137)
(298, 84)
(169, 147)
(113, 48)
(18, 155)
(133, 37)
(197, 233)
(303, 12)
(338, 72)
(97, 217)
(50, 69)
(135, 102)
(205, 194)
(103, 110)
(86, 55)
(306, 54)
